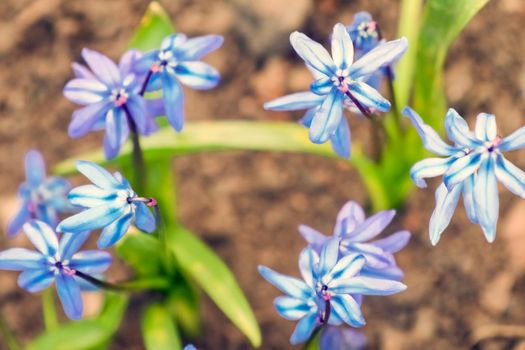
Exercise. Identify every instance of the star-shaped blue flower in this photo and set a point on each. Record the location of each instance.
(471, 167)
(112, 98)
(364, 33)
(112, 205)
(43, 197)
(357, 234)
(178, 61)
(55, 262)
(328, 291)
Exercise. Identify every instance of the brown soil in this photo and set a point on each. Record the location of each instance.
(248, 205)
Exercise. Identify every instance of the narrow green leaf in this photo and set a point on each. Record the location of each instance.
(49, 310)
(443, 20)
(199, 262)
(409, 21)
(154, 26)
(87, 334)
(184, 305)
(141, 251)
(158, 329)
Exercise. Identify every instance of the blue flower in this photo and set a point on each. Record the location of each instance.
(357, 234)
(190, 347)
(112, 98)
(55, 262)
(328, 292)
(112, 205)
(43, 197)
(339, 83)
(364, 33)
(342, 338)
(178, 61)
(471, 167)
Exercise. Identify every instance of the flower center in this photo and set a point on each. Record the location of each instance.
(119, 97)
(492, 145)
(367, 29)
(341, 80)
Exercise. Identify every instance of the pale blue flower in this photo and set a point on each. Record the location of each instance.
(43, 197)
(328, 289)
(112, 206)
(364, 33)
(57, 262)
(470, 167)
(358, 235)
(178, 61)
(112, 98)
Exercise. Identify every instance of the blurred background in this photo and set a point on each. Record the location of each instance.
(465, 293)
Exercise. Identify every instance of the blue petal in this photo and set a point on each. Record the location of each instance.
(458, 130)
(462, 168)
(128, 61)
(486, 198)
(69, 295)
(294, 102)
(342, 338)
(347, 267)
(314, 238)
(328, 257)
(313, 53)
(382, 55)
(23, 215)
(308, 260)
(144, 218)
(36, 280)
(486, 128)
(512, 177)
(348, 310)
(322, 86)
(47, 214)
(173, 100)
(372, 226)
(114, 231)
(104, 68)
(370, 286)
(143, 65)
(368, 96)
(82, 72)
(289, 285)
(391, 273)
(307, 118)
(85, 119)
(91, 261)
(291, 308)
(70, 243)
(393, 243)
(195, 48)
(446, 203)
(341, 140)
(35, 168)
(136, 106)
(97, 175)
(93, 218)
(19, 259)
(117, 132)
(468, 199)
(90, 196)
(327, 118)
(197, 75)
(429, 167)
(350, 215)
(304, 329)
(342, 47)
(85, 91)
(429, 136)
(42, 236)
(514, 141)
(173, 41)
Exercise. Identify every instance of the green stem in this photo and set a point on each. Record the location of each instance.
(139, 167)
(48, 309)
(131, 286)
(312, 338)
(7, 335)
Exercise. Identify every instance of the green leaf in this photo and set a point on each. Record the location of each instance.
(154, 26)
(199, 262)
(158, 329)
(409, 21)
(89, 334)
(140, 251)
(184, 305)
(443, 20)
